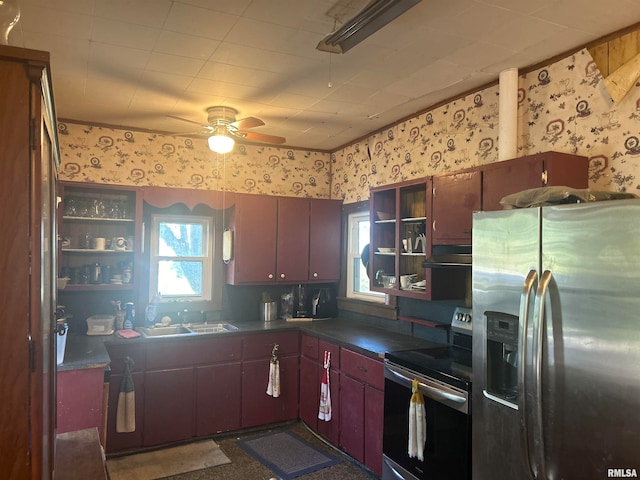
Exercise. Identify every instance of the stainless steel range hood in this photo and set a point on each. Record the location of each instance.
(447, 256)
(448, 260)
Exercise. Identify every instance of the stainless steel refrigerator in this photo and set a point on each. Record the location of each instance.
(556, 342)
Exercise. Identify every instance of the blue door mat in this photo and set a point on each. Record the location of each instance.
(286, 454)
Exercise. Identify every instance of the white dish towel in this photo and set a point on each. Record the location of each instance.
(273, 387)
(417, 423)
(324, 413)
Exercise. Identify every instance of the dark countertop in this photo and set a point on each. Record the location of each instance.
(89, 351)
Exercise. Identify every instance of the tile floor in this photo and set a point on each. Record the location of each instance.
(245, 467)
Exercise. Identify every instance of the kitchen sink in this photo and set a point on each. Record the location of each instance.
(212, 327)
(165, 331)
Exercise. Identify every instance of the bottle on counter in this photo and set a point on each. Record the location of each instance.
(129, 316)
(152, 310)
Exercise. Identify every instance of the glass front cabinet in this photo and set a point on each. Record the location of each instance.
(100, 234)
(401, 218)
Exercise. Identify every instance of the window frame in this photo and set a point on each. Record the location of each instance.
(207, 258)
(353, 256)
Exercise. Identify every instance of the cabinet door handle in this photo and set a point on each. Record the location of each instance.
(433, 225)
(315, 274)
(282, 275)
(271, 275)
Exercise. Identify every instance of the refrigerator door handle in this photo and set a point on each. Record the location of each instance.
(528, 287)
(538, 341)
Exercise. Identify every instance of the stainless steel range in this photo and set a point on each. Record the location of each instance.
(444, 375)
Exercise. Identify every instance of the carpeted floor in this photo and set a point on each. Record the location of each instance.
(244, 467)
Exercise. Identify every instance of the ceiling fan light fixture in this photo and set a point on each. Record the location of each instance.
(372, 18)
(220, 143)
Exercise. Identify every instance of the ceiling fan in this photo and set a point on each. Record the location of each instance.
(223, 126)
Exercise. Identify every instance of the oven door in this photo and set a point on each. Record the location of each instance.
(447, 452)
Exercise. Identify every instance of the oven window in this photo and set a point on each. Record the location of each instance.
(448, 447)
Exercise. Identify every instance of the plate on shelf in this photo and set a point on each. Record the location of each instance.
(386, 250)
(385, 216)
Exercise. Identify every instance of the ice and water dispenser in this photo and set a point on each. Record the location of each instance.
(502, 357)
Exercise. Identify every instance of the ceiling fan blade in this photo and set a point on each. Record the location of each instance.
(186, 120)
(202, 132)
(249, 122)
(261, 137)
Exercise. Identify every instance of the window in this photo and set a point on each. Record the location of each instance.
(181, 257)
(357, 279)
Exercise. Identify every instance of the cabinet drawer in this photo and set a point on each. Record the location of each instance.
(261, 345)
(309, 347)
(335, 353)
(186, 353)
(366, 369)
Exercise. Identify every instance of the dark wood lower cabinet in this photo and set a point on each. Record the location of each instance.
(362, 408)
(258, 408)
(198, 388)
(352, 417)
(373, 423)
(218, 398)
(120, 442)
(310, 377)
(168, 406)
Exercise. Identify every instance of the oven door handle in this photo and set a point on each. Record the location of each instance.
(433, 390)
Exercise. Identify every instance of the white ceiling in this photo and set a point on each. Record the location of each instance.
(130, 63)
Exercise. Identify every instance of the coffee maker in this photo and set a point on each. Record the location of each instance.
(300, 299)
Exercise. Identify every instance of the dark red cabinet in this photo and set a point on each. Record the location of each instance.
(362, 408)
(324, 240)
(455, 197)
(331, 429)
(119, 442)
(258, 408)
(292, 251)
(218, 398)
(284, 240)
(168, 406)
(254, 222)
(543, 169)
(310, 376)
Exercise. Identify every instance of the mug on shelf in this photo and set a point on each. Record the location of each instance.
(119, 244)
(98, 243)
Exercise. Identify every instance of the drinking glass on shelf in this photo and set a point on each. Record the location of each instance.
(70, 207)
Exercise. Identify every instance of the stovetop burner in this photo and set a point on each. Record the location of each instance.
(447, 363)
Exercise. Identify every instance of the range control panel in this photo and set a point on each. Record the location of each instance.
(462, 320)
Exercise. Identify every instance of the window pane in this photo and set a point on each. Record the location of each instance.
(181, 240)
(180, 278)
(360, 279)
(363, 234)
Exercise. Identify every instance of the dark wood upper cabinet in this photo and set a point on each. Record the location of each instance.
(539, 170)
(455, 197)
(324, 240)
(254, 223)
(284, 240)
(292, 252)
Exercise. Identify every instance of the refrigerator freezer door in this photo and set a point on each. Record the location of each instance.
(506, 248)
(591, 350)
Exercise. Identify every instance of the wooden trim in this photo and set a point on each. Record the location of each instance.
(350, 304)
(373, 309)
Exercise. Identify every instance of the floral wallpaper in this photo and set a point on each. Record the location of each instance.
(562, 107)
(123, 157)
